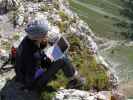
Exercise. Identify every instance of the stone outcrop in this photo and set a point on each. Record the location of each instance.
(72, 94)
(9, 4)
(74, 25)
(19, 16)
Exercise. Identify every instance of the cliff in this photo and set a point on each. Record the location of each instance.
(14, 15)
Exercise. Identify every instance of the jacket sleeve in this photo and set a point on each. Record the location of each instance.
(30, 66)
(45, 61)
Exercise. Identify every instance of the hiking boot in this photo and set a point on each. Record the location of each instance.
(76, 83)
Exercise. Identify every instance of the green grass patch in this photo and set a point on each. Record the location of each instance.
(6, 45)
(105, 5)
(86, 64)
(101, 23)
(122, 55)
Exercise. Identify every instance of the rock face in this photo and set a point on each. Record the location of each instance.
(3, 55)
(72, 94)
(41, 0)
(74, 25)
(12, 91)
(9, 4)
(19, 17)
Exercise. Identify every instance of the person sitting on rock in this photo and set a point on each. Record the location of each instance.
(33, 68)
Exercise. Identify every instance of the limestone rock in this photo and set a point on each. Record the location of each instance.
(73, 94)
(33, 7)
(54, 34)
(55, 17)
(2, 83)
(19, 20)
(9, 4)
(92, 45)
(19, 17)
(48, 1)
(3, 56)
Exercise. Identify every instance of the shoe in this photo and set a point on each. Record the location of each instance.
(76, 83)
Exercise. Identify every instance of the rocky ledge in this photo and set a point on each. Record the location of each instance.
(62, 21)
(73, 94)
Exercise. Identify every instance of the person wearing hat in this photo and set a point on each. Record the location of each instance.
(33, 68)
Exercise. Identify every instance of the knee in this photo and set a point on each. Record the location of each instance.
(65, 60)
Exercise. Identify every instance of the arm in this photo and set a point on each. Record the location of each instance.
(30, 66)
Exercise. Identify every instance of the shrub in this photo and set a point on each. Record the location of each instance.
(45, 95)
(6, 45)
(62, 26)
(86, 64)
(56, 4)
(16, 36)
(63, 16)
(44, 8)
(95, 75)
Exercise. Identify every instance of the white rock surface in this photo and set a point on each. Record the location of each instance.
(19, 17)
(73, 94)
(9, 4)
(3, 55)
(53, 34)
(56, 17)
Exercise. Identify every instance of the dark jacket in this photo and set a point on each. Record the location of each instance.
(26, 61)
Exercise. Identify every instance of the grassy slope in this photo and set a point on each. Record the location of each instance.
(123, 55)
(103, 24)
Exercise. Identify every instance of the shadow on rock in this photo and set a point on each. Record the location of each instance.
(3, 11)
(12, 91)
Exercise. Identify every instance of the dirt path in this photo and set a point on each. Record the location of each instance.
(115, 5)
